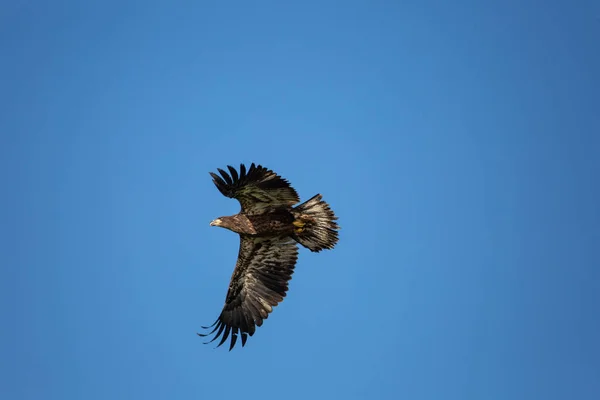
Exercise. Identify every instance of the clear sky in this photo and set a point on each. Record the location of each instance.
(458, 142)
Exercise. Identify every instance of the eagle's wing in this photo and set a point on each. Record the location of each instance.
(255, 189)
(259, 282)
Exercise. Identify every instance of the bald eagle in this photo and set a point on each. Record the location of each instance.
(270, 227)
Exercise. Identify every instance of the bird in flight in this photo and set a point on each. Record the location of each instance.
(270, 228)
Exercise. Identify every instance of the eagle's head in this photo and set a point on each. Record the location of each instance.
(236, 223)
(225, 222)
(216, 222)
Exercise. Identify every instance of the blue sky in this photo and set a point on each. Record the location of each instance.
(457, 142)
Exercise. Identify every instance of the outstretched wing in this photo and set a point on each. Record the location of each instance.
(259, 282)
(255, 189)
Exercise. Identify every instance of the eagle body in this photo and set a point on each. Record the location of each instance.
(275, 222)
(270, 226)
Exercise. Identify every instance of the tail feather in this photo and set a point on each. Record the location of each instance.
(315, 226)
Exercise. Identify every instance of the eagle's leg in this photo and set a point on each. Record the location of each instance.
(299, 225)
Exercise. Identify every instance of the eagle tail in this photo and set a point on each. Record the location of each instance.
(314, 224)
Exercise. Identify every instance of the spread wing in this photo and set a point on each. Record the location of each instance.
(259, 282)
(255, 189)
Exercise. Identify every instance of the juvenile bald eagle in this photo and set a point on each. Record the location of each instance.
(269, 228)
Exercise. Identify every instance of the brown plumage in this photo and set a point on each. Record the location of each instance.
(270, 229)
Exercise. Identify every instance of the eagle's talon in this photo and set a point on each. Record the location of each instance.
(298, 224)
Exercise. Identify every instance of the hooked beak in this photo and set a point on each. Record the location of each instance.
(215, 222)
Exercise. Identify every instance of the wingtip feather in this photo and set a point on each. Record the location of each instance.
(234, 174)
(225, 176)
